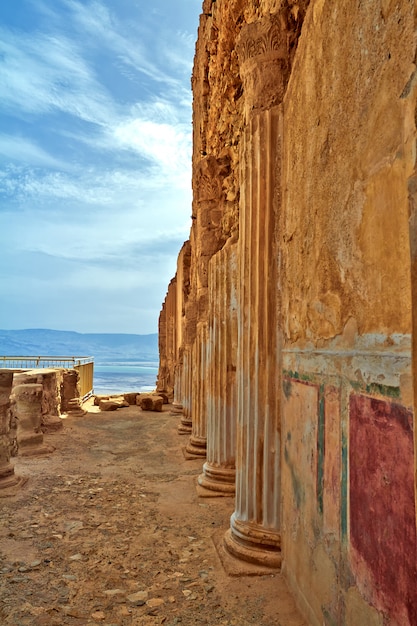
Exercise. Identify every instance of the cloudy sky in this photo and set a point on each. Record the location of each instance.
(95, 150)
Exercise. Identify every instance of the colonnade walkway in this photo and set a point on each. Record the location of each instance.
(109, 529)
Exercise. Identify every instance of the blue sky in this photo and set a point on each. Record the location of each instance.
(95, 160)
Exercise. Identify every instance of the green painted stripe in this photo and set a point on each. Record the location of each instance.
(344, 490)
(388, 391)
(320, 450)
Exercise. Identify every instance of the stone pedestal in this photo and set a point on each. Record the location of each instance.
(198, 439)
(27, 406)
(7, 476)
(51, 381)
(254, 534)
(51, 400)
(219, 470)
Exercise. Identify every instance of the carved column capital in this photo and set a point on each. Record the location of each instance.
(264, 60)
(208, 177)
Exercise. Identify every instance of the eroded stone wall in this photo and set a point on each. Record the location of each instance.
(304, 162)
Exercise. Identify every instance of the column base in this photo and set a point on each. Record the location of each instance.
(197, 446)
(185, 427)
(33, 445)
(220, 479)
(9, 479)
(253, 544)
(52, 424)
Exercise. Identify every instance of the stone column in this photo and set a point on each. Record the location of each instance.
(27, 407)
(219, 469)
(190, 326)
(185, 425)
(7, 476)
(177, 407)
(198, 438)
(182, 293)
(69, 389)
(264, 59)
(254, 534)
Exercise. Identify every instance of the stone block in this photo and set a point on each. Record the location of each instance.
(112, 404)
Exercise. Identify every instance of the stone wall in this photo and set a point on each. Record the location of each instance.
(304, 165)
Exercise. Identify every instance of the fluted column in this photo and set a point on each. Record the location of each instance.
(177, 406)
(254, 533)
(184, 427)
(219, 469)
(198, 438)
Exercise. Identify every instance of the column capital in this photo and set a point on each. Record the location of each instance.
(264, 60)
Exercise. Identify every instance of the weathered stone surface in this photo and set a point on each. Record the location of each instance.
(151, 402)
(112, 404)
(69, 388)
(219, 470)
(255, 527)
(98, 398)
(26, 401)
(75, 407)
(52, 383)
(8, 478)
(304, 143)
(130, 397)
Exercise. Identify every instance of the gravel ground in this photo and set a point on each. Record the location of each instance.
(109, 529)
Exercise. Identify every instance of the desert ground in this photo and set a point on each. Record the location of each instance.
(109, 529)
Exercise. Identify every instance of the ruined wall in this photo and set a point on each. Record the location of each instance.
(304, 162)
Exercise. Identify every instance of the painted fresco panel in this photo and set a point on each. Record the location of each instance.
(332, 461)
(382, 510)
(300, 449)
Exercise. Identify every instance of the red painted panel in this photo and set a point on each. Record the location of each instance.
(382, 507)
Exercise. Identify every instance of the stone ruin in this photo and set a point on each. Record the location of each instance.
(288, 334)
(146, 401)
(31, 404)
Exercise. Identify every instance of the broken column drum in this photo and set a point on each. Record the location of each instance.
(7, 476)
(254, 533)
(27, 406)
(219, 470)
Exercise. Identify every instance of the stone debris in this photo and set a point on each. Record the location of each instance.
(139, 598)
(113, 403)
(150, 402)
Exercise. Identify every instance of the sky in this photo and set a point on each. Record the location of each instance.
(95, 160)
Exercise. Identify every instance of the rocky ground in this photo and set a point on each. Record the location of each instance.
(109, 529)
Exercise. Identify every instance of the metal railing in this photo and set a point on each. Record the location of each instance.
(83, 364)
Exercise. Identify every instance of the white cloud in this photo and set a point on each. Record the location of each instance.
(95, 158)
(20, 149)
(42, 73)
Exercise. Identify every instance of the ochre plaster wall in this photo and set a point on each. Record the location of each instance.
(347, 160)
(324, 298)
(349, 538)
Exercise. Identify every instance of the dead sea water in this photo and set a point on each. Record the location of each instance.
(120, 377)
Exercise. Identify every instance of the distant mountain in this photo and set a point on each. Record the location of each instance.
(104, 347)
